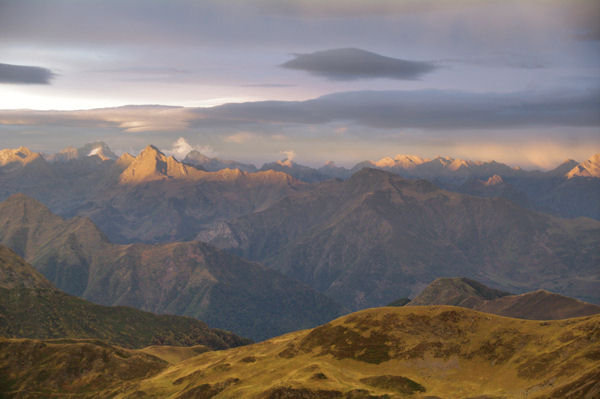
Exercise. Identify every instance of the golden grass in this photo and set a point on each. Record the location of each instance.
(175, 354)
(451, 352)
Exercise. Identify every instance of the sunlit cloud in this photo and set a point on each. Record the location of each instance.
(239, 137)
(181, 148)
(289, 157)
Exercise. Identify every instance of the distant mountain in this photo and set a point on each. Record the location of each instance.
(151, 164)
(376, 236)
(178, 201)
(548, 192)
(158, 199)
(300, 172)
(416, 352)
(589, 168)
(65, 185)
(96, 149)
(215, 164)
(185, 278)
(331, 170)
(494, 187)
(439, 167)
(19, 157)
(564, 168)
(31, 307)
(536, 305)
(456, 292)
(148, 198)
(568, 197)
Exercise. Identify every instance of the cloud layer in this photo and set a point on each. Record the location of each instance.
(23, 74)
(430, 110)
(424, 109)
(353, 64)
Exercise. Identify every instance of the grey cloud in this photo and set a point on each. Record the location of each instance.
(267, 85)
(22, 74)
(353, 64)
(147, 71)
(592, 35)
(511, 60)
(425, 109)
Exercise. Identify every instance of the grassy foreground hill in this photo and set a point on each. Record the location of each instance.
(535, 305)
(185, 278)
(70, 368)
(417, 352)
(31, 307)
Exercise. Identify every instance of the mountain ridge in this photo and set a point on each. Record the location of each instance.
(405, 233)
(32, 307)
(186, 278)
(588, 168)
(535, 305)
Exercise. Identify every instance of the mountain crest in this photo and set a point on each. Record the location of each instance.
(16, 273)
(151, 165)
(458, 291)
(400, 160)
(589, 168)
(21, 155)
(96, 149)
(494, 180)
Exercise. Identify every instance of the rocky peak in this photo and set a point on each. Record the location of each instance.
(494, 180)
(151, 164)
(96, 149)
(589, 168)
(21, 155)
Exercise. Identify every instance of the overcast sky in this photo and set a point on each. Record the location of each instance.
(516, 81)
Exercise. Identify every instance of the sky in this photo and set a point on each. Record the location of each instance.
(517, 81)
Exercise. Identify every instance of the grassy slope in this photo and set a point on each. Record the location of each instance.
(30, 307)
(70, 368)
(418, 352)
(441, 351)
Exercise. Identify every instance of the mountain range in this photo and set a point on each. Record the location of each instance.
(31, 307)
(382, 353)
(96, 149)
(198, 159)
(155, 198)
(377, 236)
(185, 278)
(147, 198)
(364, 240)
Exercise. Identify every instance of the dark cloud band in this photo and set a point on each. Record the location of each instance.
(21, 74)
(426, 109)
(353, 64)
